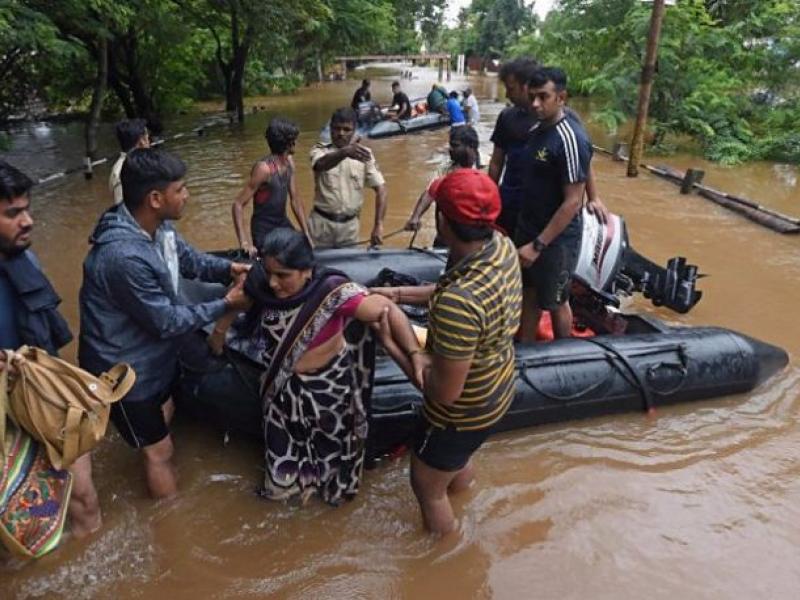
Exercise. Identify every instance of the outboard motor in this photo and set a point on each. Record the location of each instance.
(608, 267)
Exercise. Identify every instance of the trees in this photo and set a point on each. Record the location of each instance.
(728, 70)
(489, 28)
(147, 58)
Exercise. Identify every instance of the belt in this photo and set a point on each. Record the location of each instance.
(336, 218)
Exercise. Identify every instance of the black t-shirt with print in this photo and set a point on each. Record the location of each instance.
(554, 156)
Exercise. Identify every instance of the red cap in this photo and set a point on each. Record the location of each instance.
(467, 196)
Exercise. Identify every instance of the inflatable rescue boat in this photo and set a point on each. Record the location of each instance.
(620, 363)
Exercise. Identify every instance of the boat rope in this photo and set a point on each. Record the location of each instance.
(369, 240)
(641, 384)
(523, 374)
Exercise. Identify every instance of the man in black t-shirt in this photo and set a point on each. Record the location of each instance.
(555, 162)
(401, 105)
(362, 94)
(509, 137)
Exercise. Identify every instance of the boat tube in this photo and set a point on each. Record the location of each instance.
(650, 366)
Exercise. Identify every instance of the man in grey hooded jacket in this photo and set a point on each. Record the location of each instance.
(131, 307)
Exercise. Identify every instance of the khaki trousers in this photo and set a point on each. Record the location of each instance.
(329, 234)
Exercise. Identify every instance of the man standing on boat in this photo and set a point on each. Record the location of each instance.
(509, 138)
(131, 134)
(342, 169)
(29, 316)
(132, 308)
(548, 231)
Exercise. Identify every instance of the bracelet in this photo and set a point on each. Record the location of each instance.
(416, 351)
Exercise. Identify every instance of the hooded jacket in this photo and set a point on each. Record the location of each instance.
(37, 318)
(130, 301)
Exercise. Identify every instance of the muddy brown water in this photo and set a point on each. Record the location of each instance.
(701, 501)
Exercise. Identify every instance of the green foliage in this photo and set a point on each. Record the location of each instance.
(716, 59)
(164, 54)
(489, 28)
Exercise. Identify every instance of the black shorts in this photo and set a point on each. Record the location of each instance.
(446, 449)
(140, 423)
(551, 275)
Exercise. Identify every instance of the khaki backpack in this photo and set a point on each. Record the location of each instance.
(60, 405)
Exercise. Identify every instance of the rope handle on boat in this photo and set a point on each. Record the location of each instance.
(638, 381)
(681, 367)
(523, 374)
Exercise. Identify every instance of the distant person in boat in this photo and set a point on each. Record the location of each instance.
(507, 165)
(457, 118)
(549, 226)
(474, 312)
(29, 316)
(361, 95)
(342, 169)
(272, 181)
(131, 134)
(463, 155)
(401, 105)
(316, 390)
(473, 111)
(131, 305)
(437, 99)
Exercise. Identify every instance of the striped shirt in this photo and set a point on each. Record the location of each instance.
(473, 315)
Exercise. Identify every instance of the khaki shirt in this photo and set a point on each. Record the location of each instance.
(340, 190)
(114, 181)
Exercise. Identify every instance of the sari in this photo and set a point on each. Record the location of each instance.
(315, 423)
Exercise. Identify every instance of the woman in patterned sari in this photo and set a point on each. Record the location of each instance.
(317, 384)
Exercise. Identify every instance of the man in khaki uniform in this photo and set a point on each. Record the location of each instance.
(342, 169)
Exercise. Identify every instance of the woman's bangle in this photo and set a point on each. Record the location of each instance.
(416, 351)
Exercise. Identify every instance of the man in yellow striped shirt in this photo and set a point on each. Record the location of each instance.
(474, 312)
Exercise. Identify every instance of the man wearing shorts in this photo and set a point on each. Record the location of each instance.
(474, 313)
(131, 304)
(548, 229)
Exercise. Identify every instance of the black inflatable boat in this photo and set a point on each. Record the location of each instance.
(631, 363)
(651, 365)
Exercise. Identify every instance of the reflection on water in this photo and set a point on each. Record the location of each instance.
(702, 501)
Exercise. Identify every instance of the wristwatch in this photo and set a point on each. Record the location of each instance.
(539, 245)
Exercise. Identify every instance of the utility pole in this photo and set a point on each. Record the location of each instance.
(645, 87)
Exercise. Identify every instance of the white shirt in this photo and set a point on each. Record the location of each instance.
(474, 113)
(114, 181)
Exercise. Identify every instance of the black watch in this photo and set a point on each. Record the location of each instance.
(539, 245)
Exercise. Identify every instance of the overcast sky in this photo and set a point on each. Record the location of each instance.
(453, 6)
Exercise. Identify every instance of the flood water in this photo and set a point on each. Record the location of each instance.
(700, 501)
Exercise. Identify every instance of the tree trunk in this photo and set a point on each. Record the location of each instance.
(645, 86)
(98, 95)
(237, 78)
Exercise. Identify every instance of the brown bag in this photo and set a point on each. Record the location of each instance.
(60, 405)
